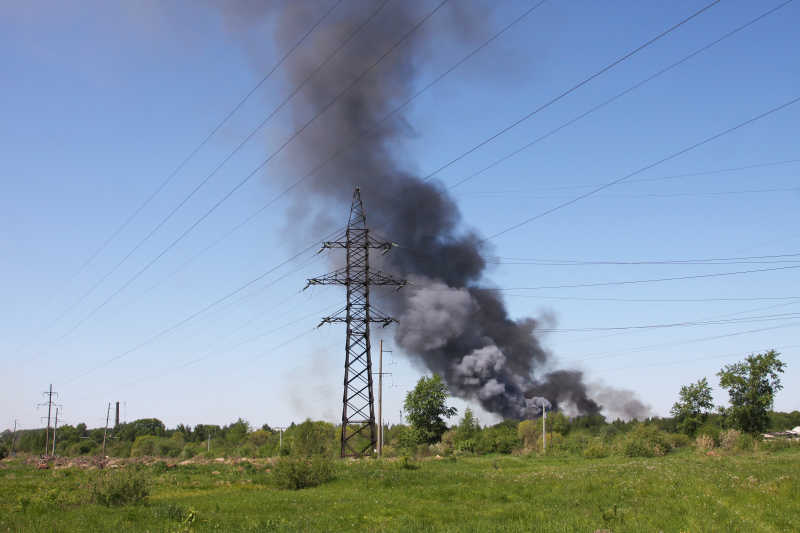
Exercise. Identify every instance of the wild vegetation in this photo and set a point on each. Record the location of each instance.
(701, 469)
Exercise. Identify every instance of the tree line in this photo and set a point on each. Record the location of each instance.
(751, 385)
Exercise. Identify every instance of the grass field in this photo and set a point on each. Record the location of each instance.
(683, 491)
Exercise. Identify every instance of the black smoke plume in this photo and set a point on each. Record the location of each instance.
(449, 319)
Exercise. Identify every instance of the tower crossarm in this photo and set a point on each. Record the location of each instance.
(340, 277)
(364, 241)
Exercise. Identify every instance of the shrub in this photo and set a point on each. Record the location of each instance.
(596, 450)
(246, 450)
(389, 451)
(774, 445)
(727, 439)
(119, 487)
(168, 447)
(189, 451)
(679, 440)
(408, 464)
(574, 443)
(144, 445)
(529, 431)
(745, 442)
(84, 447)
(704, 443)
(298, 473)
(407, 439)
(646, 441)
(710, 431)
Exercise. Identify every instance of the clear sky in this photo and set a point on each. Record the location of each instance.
(101, 101)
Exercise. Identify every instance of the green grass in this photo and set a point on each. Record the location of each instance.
(679, 492)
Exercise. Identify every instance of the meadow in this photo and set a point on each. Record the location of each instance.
(682, 491)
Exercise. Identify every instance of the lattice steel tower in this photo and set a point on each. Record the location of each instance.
(358, 412)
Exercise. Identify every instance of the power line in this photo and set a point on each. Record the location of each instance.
(642, 195)
(638, 281)
(703, 261)
(639, 180)
(247, 178)
(692, 360)
(707, 318)
(645, 168)
(756, 318)
(192, 316)
(620, 95)
(571, 90)
(344, 148)
(207, 354)
(657, 300)
(169, 178)
(608, 355)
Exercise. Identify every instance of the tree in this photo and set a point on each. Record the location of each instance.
(468, 427)
(693, 407)
(426, 405)
(751, 386)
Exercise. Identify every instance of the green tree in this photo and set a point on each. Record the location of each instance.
(751, 386)
(468, 427)
(692, 409)
(426, 406)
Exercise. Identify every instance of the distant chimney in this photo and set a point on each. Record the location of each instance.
(116, 418)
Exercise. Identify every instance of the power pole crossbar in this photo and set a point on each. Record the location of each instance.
(358, 411)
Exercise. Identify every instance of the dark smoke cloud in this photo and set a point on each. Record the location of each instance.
(448, 319)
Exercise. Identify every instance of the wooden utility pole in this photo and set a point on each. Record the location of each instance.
(544, 429)
(105, 431)
(14, 437)
(49, 394)
(55, 428)
(116, 418)
(280, 438)
(380, 402)
(380, 398)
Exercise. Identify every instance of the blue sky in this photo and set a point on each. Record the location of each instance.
(101, 101)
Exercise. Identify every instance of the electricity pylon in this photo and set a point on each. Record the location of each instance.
(358, 402)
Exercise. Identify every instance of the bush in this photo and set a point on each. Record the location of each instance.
(189, 451)
(727, 439)
(646, 441)
(596, 450)
(529, 431)
(144, 445)
(679, 440)
(246, 450)
(409, 464)
(168, 447)
(298, 473)
(710, 431)
(119, 487)
(745, 442)
(775, 445)
(84, 447)
(704, 443)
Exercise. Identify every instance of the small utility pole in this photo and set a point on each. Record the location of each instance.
(380, 398)
(208, 446)
(380, 402)
(116, 418)
(14, 437)
(55, 428)
(544, 429)
(105, 431)
(280, 438)
(49, 395)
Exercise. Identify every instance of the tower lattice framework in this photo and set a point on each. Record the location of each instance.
(358, 402)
